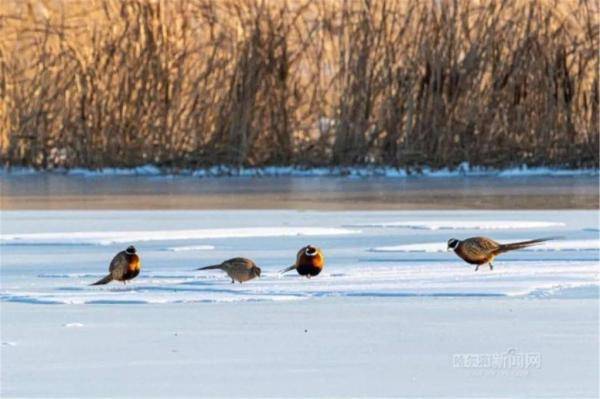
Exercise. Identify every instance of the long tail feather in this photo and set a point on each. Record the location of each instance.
(524, 244)
(104, 280)
(287, 269)
(210, 267)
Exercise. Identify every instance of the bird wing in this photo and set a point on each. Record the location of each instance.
(479, 247)
(238, 263)
(299, 255)
(119, 263)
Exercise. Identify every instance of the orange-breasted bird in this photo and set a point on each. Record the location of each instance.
(238, 269)
(124, 266)
(309, 262)
(481, 250)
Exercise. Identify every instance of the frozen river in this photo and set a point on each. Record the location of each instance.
(391, 312)
(53, 256)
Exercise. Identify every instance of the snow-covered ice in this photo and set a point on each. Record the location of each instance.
(191, 248)
(73, 325)
(62, 262)
(555, 245)
(376, 322)
(464, 224)
(114, 237)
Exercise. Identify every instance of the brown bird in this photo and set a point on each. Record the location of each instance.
(309, 262)
(238, 269)
(482, 250)
(124, 266)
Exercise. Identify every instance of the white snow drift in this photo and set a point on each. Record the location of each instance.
(114, 237)
(464, 224)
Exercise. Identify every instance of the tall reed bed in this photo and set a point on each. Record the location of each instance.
(196, 83)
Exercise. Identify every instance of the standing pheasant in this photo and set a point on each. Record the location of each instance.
(309, 262)
(124, 266)
(238, 269)
(481, 250)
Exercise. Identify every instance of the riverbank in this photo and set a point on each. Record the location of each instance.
(463, 170)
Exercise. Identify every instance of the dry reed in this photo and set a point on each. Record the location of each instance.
(195, 83)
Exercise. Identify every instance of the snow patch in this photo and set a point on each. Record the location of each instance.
(115, 237)
(444, 278)
(422, 247)
(566, 245)
(464, 224)
(190, 248)
(573, 291)
(73, 325)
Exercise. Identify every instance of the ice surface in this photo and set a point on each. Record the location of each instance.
(113, 237)
(382, 280)
(562, 245)
(338, 347)
(52, 266)
(372, 324)
(464, 224)
(191, 248)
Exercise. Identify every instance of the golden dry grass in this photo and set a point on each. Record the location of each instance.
(192, 83)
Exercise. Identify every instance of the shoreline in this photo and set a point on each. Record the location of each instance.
(461, 171)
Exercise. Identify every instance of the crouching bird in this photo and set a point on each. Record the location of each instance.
(309, 262)
(238, 269)
(124, 266)
(481, 250)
